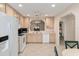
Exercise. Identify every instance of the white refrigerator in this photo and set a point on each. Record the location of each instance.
(9, 27)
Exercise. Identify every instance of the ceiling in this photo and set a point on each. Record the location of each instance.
(41, 9)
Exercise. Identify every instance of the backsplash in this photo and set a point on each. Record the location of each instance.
(37, 25)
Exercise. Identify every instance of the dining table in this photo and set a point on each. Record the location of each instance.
(70, 52)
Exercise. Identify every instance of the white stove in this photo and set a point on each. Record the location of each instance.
(22, 43)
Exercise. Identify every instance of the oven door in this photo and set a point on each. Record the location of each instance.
(22, 43)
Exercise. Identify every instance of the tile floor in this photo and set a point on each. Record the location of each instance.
(39, 50)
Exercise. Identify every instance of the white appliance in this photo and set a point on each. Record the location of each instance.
(22, 43)
(9, 26)
(45, 37)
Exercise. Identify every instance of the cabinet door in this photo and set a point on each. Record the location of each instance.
(16, 15)
(2, 7)
(26, 22)
(49, 23)
(9, 10)
(52, 37)
(34, 38)
(21, 21)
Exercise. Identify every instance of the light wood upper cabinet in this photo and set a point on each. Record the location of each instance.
(2, 7)
(49, 23)
(21, 21)
(17, 15)
(26, 22)
(12, 12)
(9, 11)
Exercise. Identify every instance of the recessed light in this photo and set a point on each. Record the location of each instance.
(20, 5)
(46, 14)
(53, 5)
(28, 14)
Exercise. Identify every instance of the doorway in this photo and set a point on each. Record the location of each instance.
(67, 29)
(61, 32)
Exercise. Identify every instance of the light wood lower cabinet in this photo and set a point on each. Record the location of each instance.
(34, 38)
(52, 37)
(38, 38)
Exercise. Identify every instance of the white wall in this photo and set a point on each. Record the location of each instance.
(69, 27)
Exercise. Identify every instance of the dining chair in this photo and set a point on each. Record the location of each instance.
(55, 50)
(71, 44)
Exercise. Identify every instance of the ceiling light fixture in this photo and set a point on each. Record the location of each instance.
(20, 5)
(53, 5)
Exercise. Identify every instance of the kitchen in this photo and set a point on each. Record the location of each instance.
(35, 29)
(27, 36)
